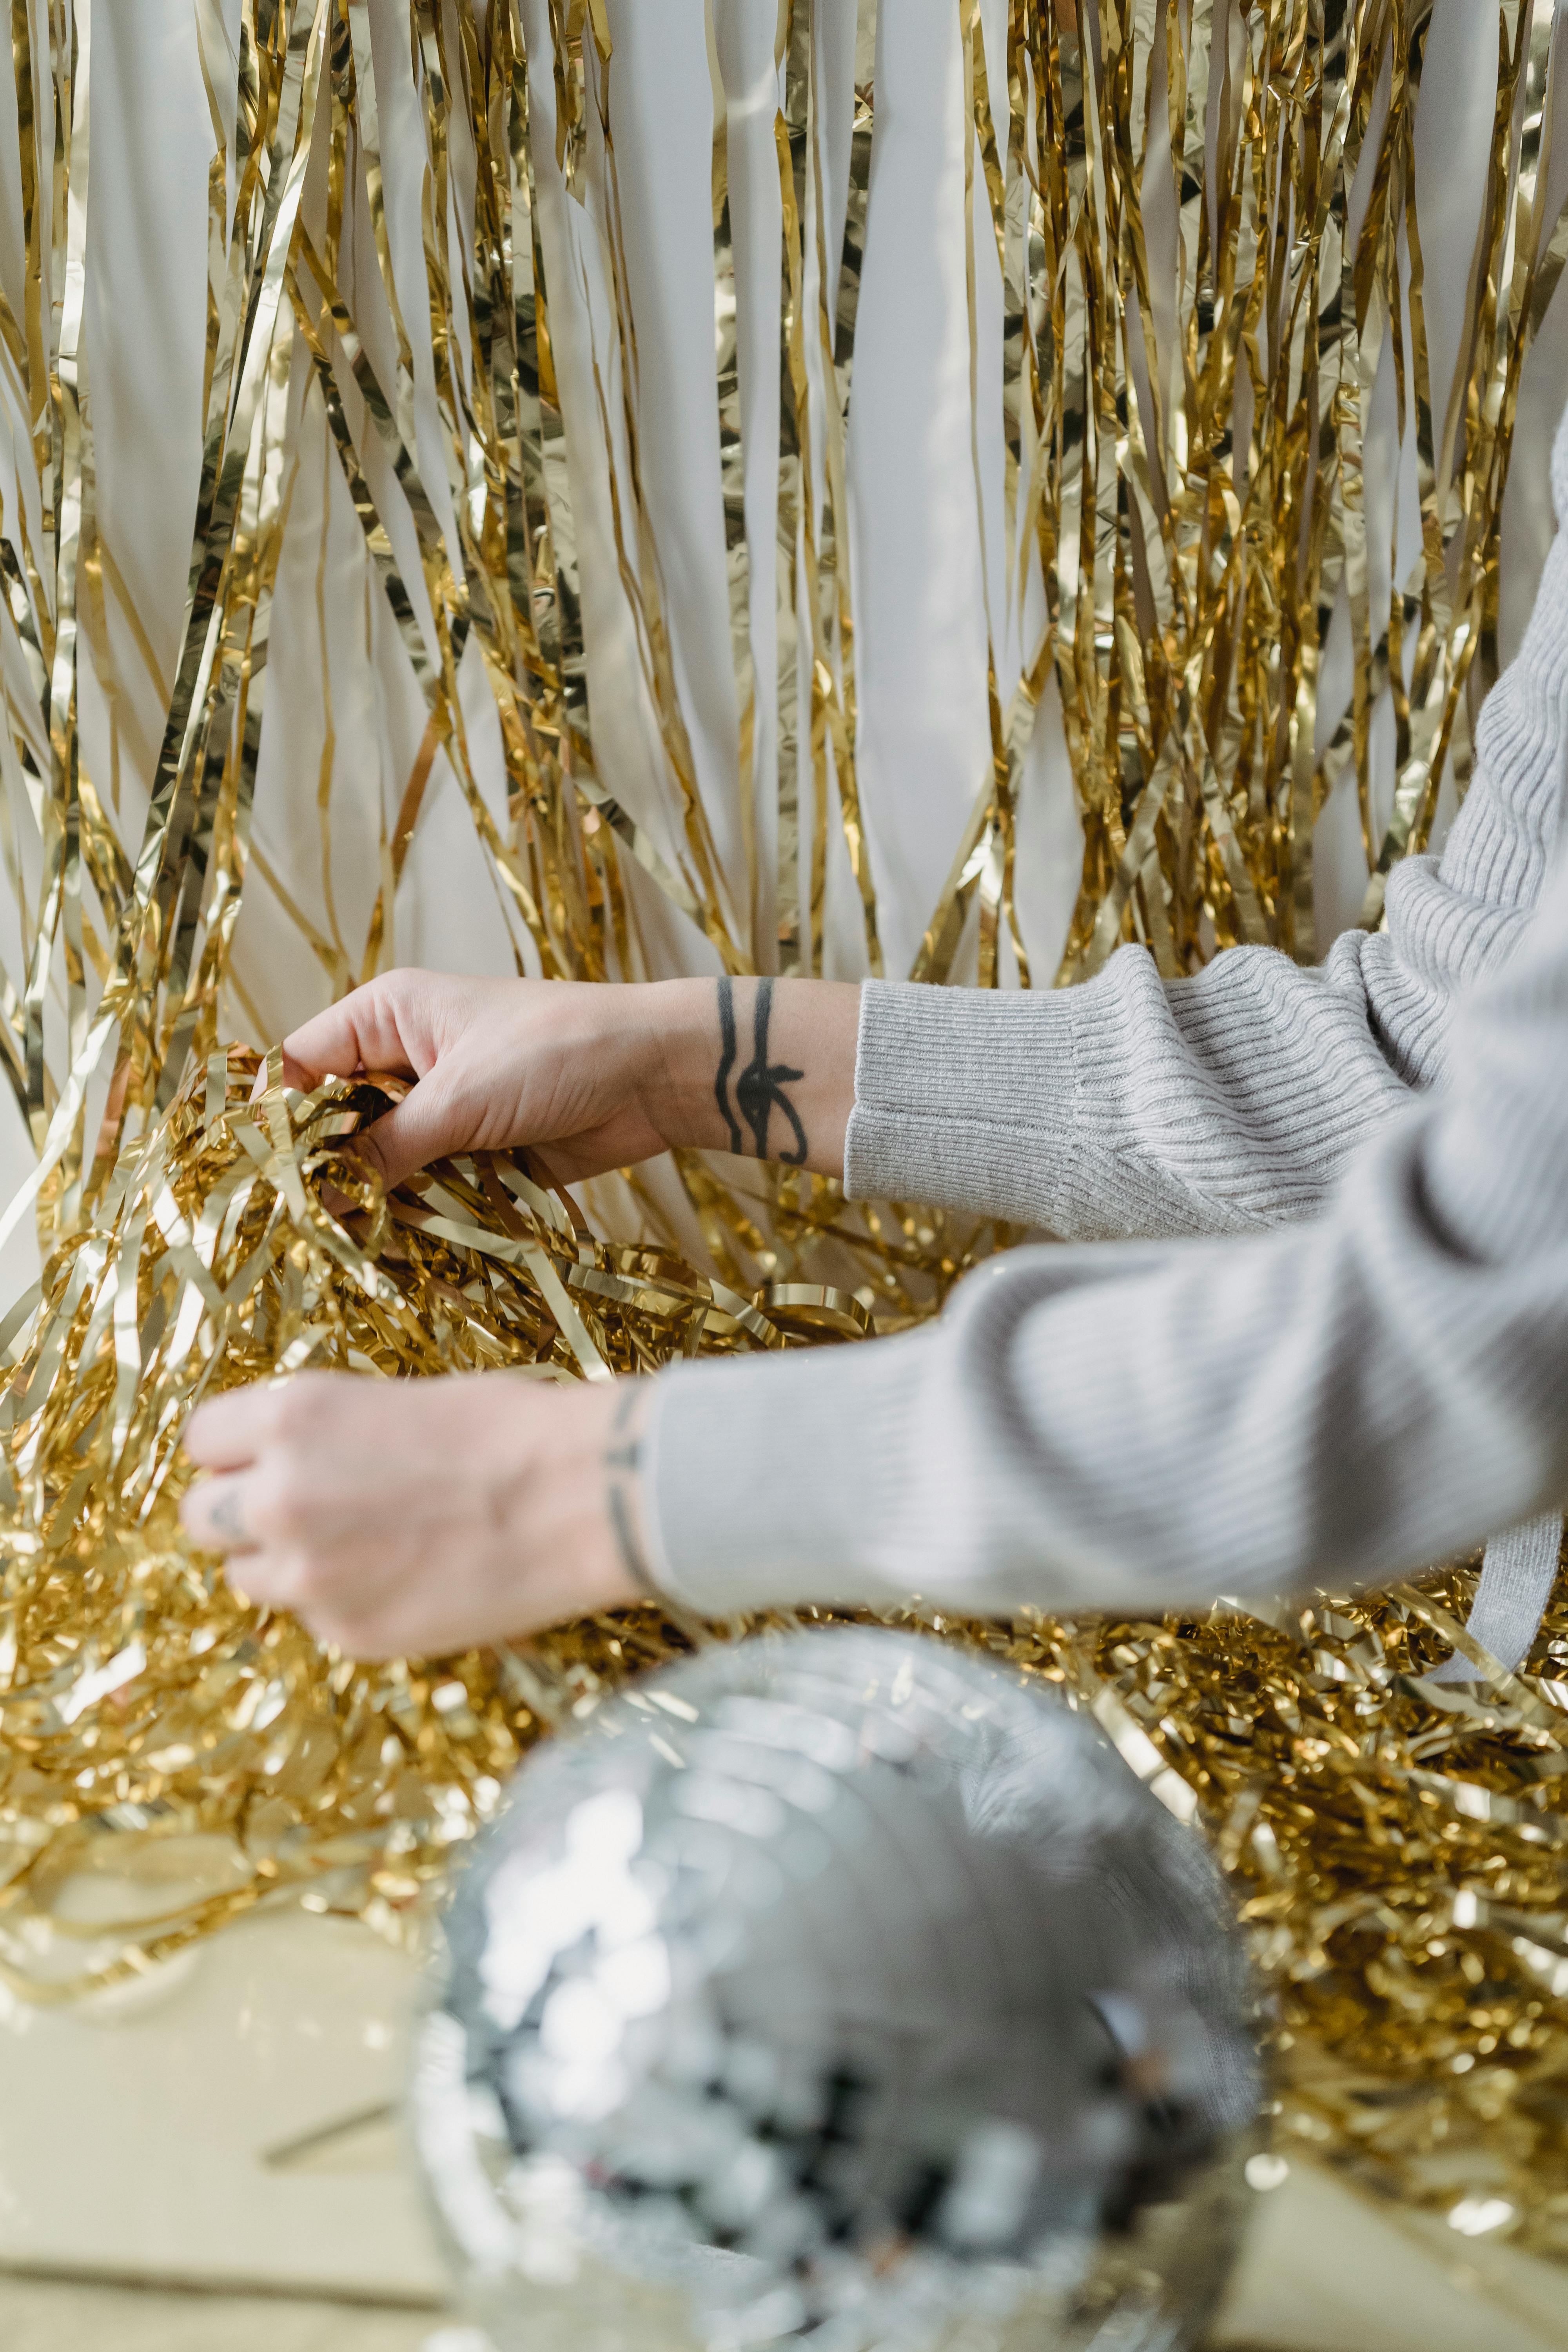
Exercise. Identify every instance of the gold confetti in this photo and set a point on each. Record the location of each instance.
(1398, 1851)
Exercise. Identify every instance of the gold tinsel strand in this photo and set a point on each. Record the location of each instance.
(1398, 1852)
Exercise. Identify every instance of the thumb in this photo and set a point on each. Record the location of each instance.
(425, 1125)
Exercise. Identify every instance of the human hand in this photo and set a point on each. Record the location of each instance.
(425, 1516)
(586, 1075)
(593, 1077)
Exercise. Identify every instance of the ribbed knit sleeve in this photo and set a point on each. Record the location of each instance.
(1235, 1100)
(1143, 1426)
(1128, 1105)
(1146, 1424)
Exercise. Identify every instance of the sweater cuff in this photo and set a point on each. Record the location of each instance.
(782, 1478)
(964, 1097)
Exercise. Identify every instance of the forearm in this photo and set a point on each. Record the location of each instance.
(1123, 1108)
(1147, 1426)
(1137, 1429)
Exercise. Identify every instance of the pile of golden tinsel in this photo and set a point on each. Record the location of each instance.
(169, 1758)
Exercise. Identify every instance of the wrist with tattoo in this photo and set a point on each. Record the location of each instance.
(764, 1067)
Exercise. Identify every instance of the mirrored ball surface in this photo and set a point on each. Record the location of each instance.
(841, 1990)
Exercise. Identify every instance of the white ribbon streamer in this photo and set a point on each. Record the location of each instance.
(1517, 1577)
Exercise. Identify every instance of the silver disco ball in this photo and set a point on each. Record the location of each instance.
(837, 1991)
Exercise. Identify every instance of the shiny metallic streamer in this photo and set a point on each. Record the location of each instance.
(1397, 1846)
(1184, 490)
(1190, 579)
(213, 1260)
(792, 130)
(158, 996)
(827, 538)
(814, 535)
(739, 568)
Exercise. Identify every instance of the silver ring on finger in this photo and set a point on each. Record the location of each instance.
(226, 1514)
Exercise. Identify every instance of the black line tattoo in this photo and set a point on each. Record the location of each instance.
(623, 1457)
(727, 1061)
(760, 1088)
(761, 1084)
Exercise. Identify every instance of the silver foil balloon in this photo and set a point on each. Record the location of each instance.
(838, 1989)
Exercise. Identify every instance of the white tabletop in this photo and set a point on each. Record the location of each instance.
(230, 2128)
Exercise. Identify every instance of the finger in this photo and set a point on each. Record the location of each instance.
(357, 1637)
(366, 1029)
(264, 1579)
(427, 1124)
(337, 1592)
(228, 1431)
(217, 1515)
(359, 1614)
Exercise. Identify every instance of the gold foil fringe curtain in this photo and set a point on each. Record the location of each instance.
(1184, 509)
(1183, 472)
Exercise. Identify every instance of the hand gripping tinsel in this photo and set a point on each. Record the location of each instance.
(1397, 1851)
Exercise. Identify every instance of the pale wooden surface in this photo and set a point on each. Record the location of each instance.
(147, 2141)
(51, 2317)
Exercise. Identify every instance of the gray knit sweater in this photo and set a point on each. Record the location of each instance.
(1380, 1384)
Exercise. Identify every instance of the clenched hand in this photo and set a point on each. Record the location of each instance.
(593, 1077)
(421, 1518)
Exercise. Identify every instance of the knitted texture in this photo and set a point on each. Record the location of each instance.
(1379, 1386)
(1235, 1100)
